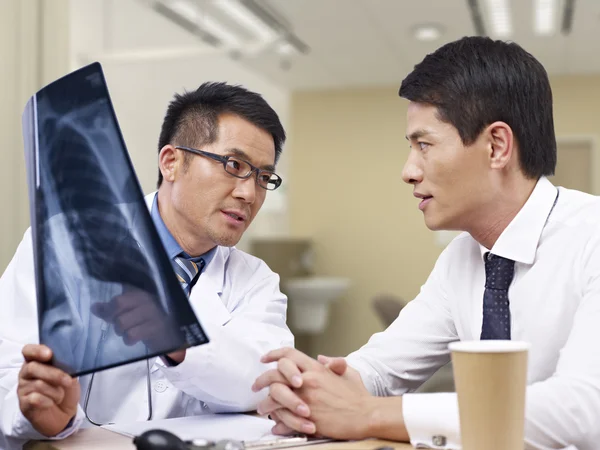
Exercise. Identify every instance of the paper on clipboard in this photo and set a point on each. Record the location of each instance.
(254, 432)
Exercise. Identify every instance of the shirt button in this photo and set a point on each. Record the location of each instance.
(439, 441)
(160, 386)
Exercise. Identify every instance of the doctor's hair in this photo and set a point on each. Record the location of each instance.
(476, 81)
(192, 118)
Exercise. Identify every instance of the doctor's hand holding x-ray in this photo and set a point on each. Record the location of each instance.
(136, 315)
(48, 397)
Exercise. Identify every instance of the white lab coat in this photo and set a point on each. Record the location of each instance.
(238, 303)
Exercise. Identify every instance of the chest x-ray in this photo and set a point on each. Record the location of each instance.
(106, 291)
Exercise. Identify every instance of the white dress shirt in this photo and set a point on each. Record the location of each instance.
(240, 307)
(554, 304)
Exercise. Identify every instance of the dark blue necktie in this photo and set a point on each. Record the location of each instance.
(499, 273)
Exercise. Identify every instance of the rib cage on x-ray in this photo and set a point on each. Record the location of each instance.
(98, 227)
(93, 235)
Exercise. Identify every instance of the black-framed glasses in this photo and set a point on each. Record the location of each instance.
(241, 169)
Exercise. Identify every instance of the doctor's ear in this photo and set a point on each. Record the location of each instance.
(169, 162)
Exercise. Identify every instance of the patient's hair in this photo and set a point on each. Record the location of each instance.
(192, 118)
(476, 81)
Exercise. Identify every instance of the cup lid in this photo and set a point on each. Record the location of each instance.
(489, 346)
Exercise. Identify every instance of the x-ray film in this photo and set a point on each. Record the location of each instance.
(107, 294)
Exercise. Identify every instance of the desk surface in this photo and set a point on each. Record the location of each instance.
(101, 439)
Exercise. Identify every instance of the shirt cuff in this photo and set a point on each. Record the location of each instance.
(432, 420)
(22, 427)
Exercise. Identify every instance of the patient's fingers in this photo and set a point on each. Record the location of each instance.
(337, 365)
(290, 371)
(294, 422)
(288, 399)
(302, 361)
(267, 378)
(267, 406)
(280, 427)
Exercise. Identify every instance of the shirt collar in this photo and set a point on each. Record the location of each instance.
(519, 240)
(171, 245)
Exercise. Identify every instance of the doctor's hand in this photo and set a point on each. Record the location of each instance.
(48, 397)
(324, 397)
(137, 316)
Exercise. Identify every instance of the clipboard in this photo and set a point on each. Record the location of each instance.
(261, 444)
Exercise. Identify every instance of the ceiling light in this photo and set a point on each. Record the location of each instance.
(499, 15)
(545, 16)
(219, 30)
(262, 27)
(242, 15)
(184, 9)
(427, 33)
(285, 48)
(197, 22)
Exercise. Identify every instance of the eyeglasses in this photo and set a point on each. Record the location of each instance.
(241, 169)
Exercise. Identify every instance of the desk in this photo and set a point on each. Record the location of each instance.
(101, 439)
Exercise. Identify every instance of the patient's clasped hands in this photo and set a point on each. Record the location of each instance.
(324, 397)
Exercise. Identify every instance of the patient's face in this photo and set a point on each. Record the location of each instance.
(215, 205)
(454, 179)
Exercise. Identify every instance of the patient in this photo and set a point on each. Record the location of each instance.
(527, 267)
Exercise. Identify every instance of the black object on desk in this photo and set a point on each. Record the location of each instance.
(158, 440)
(164, 440)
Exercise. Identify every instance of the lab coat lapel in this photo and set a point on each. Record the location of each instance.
(205, 297)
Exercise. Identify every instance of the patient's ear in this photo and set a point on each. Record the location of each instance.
(501, 144)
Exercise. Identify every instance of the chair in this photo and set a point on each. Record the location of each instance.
(387, 307)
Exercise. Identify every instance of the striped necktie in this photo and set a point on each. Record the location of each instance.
(187, 271)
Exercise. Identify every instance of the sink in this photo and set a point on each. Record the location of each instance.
(309, 301)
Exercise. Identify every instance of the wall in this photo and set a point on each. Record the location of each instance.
(348, 153)
(348, 149)
(143, 76)
(34, 49)
(42, 40)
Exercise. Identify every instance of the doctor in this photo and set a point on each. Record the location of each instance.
(217, 153)
(527, 267)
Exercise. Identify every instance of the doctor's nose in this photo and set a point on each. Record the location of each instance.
(245, 189)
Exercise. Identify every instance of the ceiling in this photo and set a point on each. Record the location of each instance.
(352, 43)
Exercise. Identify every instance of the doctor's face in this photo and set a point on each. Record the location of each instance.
(214, 206)
(451, 181)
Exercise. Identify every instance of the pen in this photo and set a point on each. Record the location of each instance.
(277, 442)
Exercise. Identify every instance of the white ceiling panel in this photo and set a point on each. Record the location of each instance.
(363, 42)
